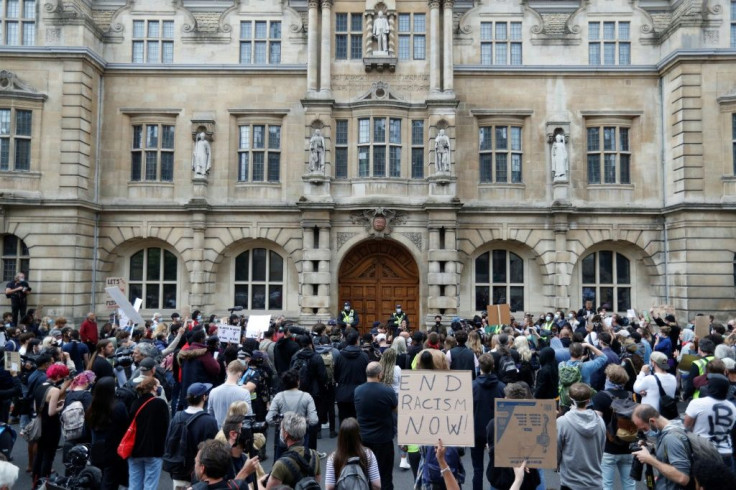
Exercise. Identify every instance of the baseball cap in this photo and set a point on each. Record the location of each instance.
(147, 365)
(199, 389)
(55, 332)
(380, 337)
(259, 356)
(660, 360)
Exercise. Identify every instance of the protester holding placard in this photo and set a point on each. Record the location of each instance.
(486, 388)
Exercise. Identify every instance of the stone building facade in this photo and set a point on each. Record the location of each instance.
(588, 150)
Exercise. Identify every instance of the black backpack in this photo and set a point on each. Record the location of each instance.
(175, 452)
(127, 395)
(303, 469)
(508, 371)
(301, 365)
(667, 404)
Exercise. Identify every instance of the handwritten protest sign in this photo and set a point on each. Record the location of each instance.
(664, 310)
(436, 405)
(228, 333)
(110, 282)
(525, 430)
(12, 361)
(499, 314)
(118, 296)
(257, 325)
(702, 326)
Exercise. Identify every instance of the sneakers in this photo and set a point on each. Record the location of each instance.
(404, 464)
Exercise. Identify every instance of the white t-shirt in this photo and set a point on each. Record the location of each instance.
(714, 420)
(647, 383)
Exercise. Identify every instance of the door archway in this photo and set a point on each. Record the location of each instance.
(377, 275)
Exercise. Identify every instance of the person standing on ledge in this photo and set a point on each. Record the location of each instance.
(18, 290)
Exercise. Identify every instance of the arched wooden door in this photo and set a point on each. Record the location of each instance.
(377, 275)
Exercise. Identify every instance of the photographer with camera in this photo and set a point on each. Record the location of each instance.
(240, 431)
(671, 455)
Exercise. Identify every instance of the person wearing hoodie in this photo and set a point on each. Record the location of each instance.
(547, 384)
(283, 351)
(349, 374)
(581, 439)
(312, 377)
(196, 364)
(486, 388)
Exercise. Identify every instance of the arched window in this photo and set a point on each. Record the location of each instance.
(259, 280)
(499, 279)
(607, 280)
(152, 277)
(15, 257)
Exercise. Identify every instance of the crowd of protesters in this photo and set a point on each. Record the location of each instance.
(202, 408)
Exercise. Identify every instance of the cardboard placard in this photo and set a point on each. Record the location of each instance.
(702, 326)
(114, 282)
(257, 325)
(664, 310)
(499, 314)
(125, 305)
(12, 361)
(436, 405)
(525, 430)
(229, 333)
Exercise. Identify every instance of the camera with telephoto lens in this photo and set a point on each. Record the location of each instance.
(637, 467)
(248, 429)
(79, 473)
(124, 358)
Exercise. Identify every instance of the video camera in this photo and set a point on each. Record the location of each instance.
(80, 475)
(247, 430)
(123, 358)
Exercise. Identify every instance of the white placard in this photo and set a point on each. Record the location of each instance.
(125, 305)
(631, 313)
(229, 333)
(137, 304)
(257, 325)
(607, 321)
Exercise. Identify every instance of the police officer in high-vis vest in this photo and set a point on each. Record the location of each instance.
(347, 317)
(706, 347)
(396, 318)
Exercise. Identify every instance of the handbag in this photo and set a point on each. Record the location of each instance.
(125, 449)
(32, 431)
(667, 404)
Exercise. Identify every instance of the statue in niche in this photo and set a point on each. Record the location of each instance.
(380, 32)
(202, 155)
(442, 152)
(559, 158)
(317, 152)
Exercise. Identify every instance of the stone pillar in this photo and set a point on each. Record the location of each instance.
(447, 64)
(326, 56)
(434, 46)
(312, 47)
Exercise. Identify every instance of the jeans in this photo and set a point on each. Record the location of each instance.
(617, 462)
(144, 473)
(477, 455)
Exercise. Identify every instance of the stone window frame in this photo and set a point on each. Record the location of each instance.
(35, 106)
(392, 147)
(267, 282)
(342, 151)
(12, 138)
(251, 41)
(411, 36)
(733, 24)
(416, 158)
(145, 281)
(490, 45)
(352, 36)
(615, 285)
(144, 121)
(268, 171)
(733, 141)
(491, 176)
(623, 157)
(492, 285)
(162, 41)
(600, 41)
(508, 118)
(18, 260)
(23, 17)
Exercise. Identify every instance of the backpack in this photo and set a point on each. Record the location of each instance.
(301, 365)
(569, 375)
(701, 449)
(667, 404)
(127, 395)
(72, 421)
(507, 369)
(177, 448)
(303, 466)
(621, 430)
(352, 476)
(8, 437)
(329, 361)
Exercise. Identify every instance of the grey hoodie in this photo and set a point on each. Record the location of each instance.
(581, 437)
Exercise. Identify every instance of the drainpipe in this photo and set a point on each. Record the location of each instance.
(664, 191)
(96, 238)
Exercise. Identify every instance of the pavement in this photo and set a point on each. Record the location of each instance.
(403, 479)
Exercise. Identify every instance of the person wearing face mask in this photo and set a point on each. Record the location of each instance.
(549, 322)
(672, 449)
(396, 318)
(348, 317)
(647, 385)
(17, 291)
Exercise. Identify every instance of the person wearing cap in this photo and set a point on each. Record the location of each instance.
(223, 396)
(200, 426)
(347, 317)
(396, 318)
(646, 381)
(713, 416)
